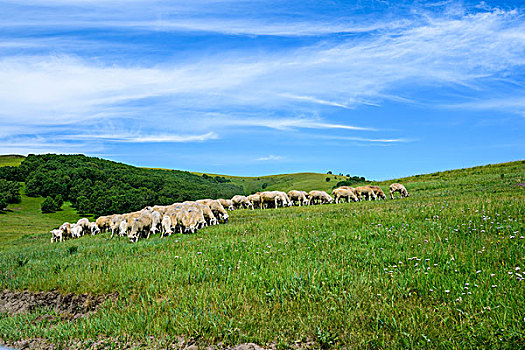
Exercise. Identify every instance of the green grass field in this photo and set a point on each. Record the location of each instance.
(11, 160)
(287, 182)
(284, 182)
(440, 269)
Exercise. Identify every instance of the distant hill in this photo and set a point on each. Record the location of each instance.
(11, 160)
(99, 186)
(287, 182)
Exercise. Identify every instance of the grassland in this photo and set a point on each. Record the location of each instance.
(440, 269)
(285, 182)
(11, 160)
(23, 222)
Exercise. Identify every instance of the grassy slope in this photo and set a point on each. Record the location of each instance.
(24, 221)
(353, 274)
(11, 160)
(285, 182)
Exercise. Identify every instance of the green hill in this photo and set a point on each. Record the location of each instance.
(100, 186)
(285, 182)
(11, 160)
(440, 269)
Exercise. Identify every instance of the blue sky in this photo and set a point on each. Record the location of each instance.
(380, 89)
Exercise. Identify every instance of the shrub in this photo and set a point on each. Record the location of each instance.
(3, 202)
(327, 179)
(59, 200)
(48, 205)
(10, 190)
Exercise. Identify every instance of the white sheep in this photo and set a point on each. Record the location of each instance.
(84, 223)
(94, 228)
(346, 193)
(57, 235)
(226, 203)
(319, 197)
(366, 192)
(240, 202)
(397, 187)
(255, 200)
(378, 191)
(298, 196)
(166, 226)
(76, 231)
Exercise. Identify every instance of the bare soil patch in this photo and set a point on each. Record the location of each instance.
(67, 305)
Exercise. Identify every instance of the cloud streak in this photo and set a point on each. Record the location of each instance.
(144, 138)
(271, 157)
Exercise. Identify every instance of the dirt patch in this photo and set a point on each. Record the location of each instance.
(107, 343)
(68, 305)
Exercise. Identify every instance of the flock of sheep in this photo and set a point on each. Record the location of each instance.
(190, 216)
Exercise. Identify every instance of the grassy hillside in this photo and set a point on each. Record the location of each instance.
(440, 269)
(11, 160)
(285, 182)
(24, 222)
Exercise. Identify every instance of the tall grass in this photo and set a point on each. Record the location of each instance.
(439, 269)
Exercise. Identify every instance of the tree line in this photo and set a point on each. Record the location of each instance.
(98, 186)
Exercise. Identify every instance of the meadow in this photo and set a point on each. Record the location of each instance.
(443, 268)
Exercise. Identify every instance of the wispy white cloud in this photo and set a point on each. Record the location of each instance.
(278, 123)
(271, 157)
(254, 18)
(364, 139)
(511, 104)
(143, 138)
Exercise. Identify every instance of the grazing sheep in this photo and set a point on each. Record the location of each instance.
(378, 191)
(217, 209)
(286, 200)
(84, 223)
(196, 220)
(161, 209)
(255, 200)
(346, 193)
(366, 192)
(271, 197)
(140, 226)
(76, 231)
(166, 226)
(115, 223)
(94, 228)
(319, 197)
(123, 228)
(156, 220)
(208, 214)
(104, 223)
(66, 229)
(226, 203)
(397, 187)
(57, 235)
(180, 218)
(241, 202)
(298, 196)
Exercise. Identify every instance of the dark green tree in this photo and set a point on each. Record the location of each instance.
(3, 202)
(48, 205)
(59, 201)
